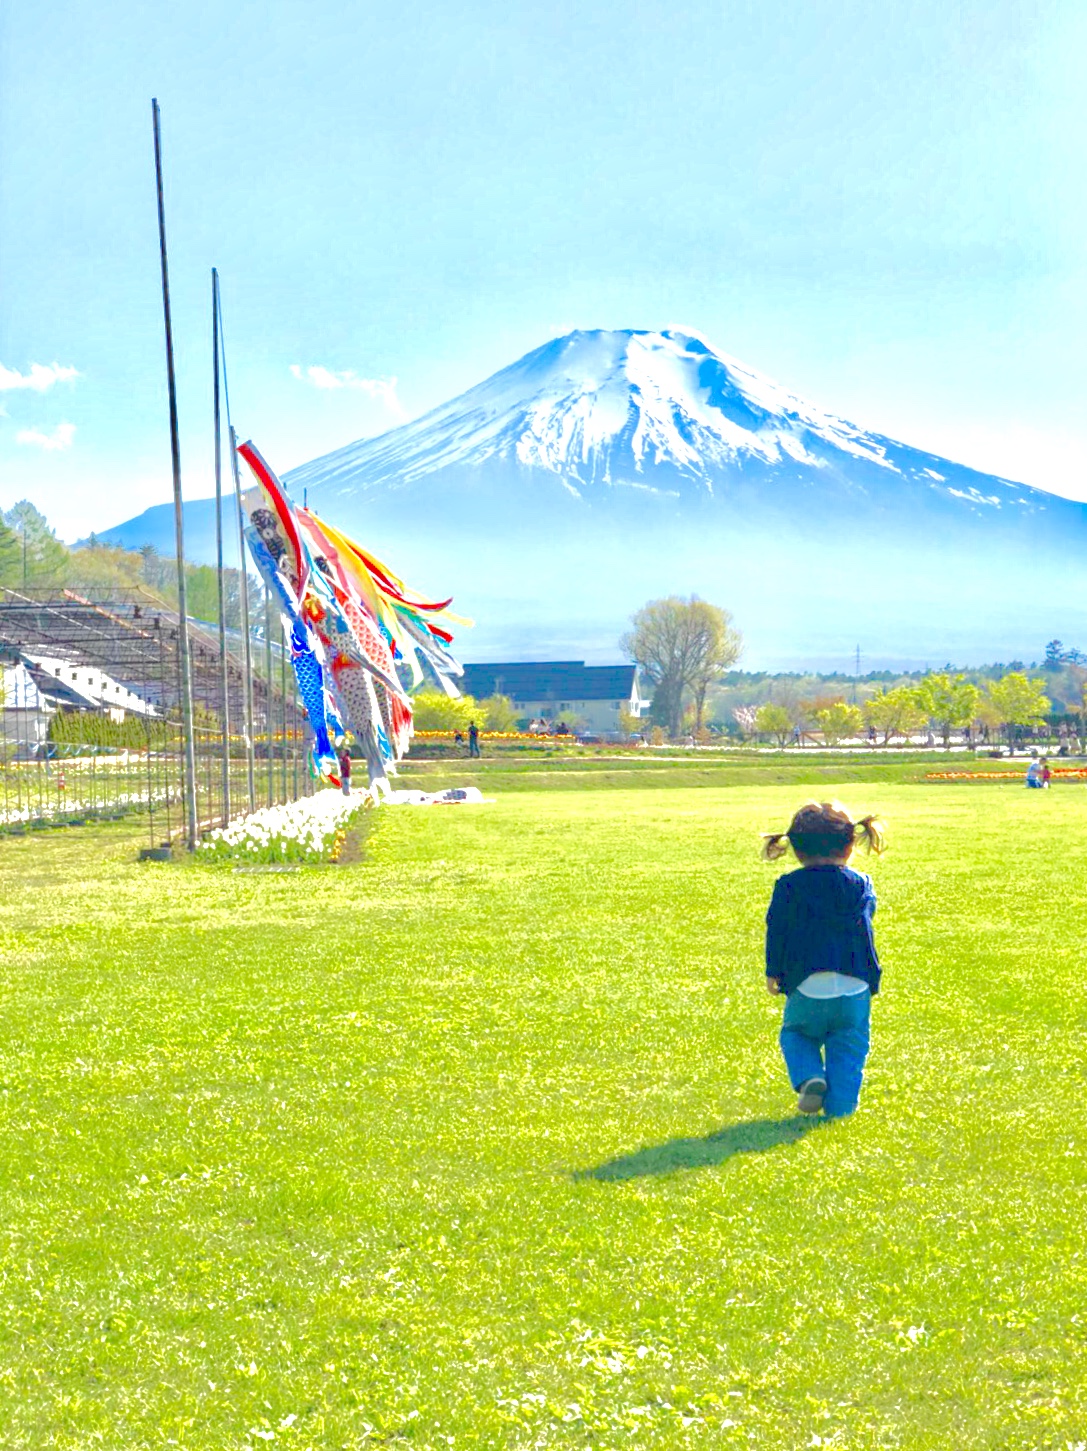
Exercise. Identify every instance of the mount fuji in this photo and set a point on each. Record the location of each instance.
(609, 467)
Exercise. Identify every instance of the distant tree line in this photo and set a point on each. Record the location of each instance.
(1057, 656)
(938, 702)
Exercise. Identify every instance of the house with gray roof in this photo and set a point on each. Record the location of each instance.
(546, 689)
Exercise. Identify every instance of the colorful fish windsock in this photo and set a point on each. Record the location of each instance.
(353, 671)
(415, 626)
(275, 521)
(281, 560)
(350, 619)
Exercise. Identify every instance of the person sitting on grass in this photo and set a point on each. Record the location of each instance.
(1035, 779)
(820, 952)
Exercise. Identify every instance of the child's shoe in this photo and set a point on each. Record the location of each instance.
(811, 1094)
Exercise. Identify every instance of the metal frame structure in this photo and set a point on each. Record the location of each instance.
(133, 637)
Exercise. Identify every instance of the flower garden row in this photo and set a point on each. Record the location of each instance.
(75, 810)
(1069, 772)
(310, 830)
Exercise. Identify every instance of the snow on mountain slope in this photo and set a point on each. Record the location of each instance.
(598, 407)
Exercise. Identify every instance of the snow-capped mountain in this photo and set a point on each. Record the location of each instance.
(605, 468)
(604, 407)
(659, 412)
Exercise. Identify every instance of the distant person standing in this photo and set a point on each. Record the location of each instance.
(473, 739)
(345, 772)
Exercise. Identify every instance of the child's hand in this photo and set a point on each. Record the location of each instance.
(773, 986)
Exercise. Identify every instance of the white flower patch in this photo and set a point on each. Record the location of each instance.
(70, 804)
(303, 830)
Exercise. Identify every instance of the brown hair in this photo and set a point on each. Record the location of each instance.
(824, 829)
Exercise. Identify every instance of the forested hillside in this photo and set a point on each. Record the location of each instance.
(32, 556)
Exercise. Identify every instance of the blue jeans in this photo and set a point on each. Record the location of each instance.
(836, 1027)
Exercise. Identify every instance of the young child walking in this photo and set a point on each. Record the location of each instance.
(820, 952)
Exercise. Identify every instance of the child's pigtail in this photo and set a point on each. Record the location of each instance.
(871, 830)
(774, 845)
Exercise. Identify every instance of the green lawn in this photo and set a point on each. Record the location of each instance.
(485, 1142)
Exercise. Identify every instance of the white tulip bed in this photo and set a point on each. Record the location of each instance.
(308, 830)
(312, 829)
(54, 807)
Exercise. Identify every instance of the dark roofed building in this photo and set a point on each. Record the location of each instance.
(544, 689)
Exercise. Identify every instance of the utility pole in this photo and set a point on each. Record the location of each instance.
(175, 457)
(243, 572)
(224, 668)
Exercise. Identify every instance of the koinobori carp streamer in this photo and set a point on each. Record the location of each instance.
(351, 621)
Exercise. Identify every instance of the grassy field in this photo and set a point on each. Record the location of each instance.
(484, 1140)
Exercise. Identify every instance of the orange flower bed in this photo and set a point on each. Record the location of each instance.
(538, 738)
(485, 735)
(1014, 774)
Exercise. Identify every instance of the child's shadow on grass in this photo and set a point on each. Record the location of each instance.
(753, 1137)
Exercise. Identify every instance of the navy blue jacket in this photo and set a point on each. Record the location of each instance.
(820, 920)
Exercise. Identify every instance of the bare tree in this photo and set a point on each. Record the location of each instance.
(715, 646)
(681, 645)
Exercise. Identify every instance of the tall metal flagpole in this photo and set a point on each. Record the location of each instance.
(247, 639)
(225, 681)
(269, 716)
(175, 456)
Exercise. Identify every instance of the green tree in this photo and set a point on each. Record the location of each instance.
(11, 555)
(436, 711)
(839, 720)
(102, 566)
(46, 557)
(202, 593)
(499, 713)
(1019, 701)
(666, 709)
(682, 646)
(896, 712)
(774, 720)
(988, 714)
(951, 701)
(629, 723)
(716, 645)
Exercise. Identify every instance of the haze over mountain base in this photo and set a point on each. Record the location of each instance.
(606, 469)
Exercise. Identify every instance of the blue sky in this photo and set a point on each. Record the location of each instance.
(881, 207)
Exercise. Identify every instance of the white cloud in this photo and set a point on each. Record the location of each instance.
(41, 377)
(60, 438)
(382, 389)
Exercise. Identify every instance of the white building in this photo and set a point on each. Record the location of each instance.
(34, 687)
(84, 687)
